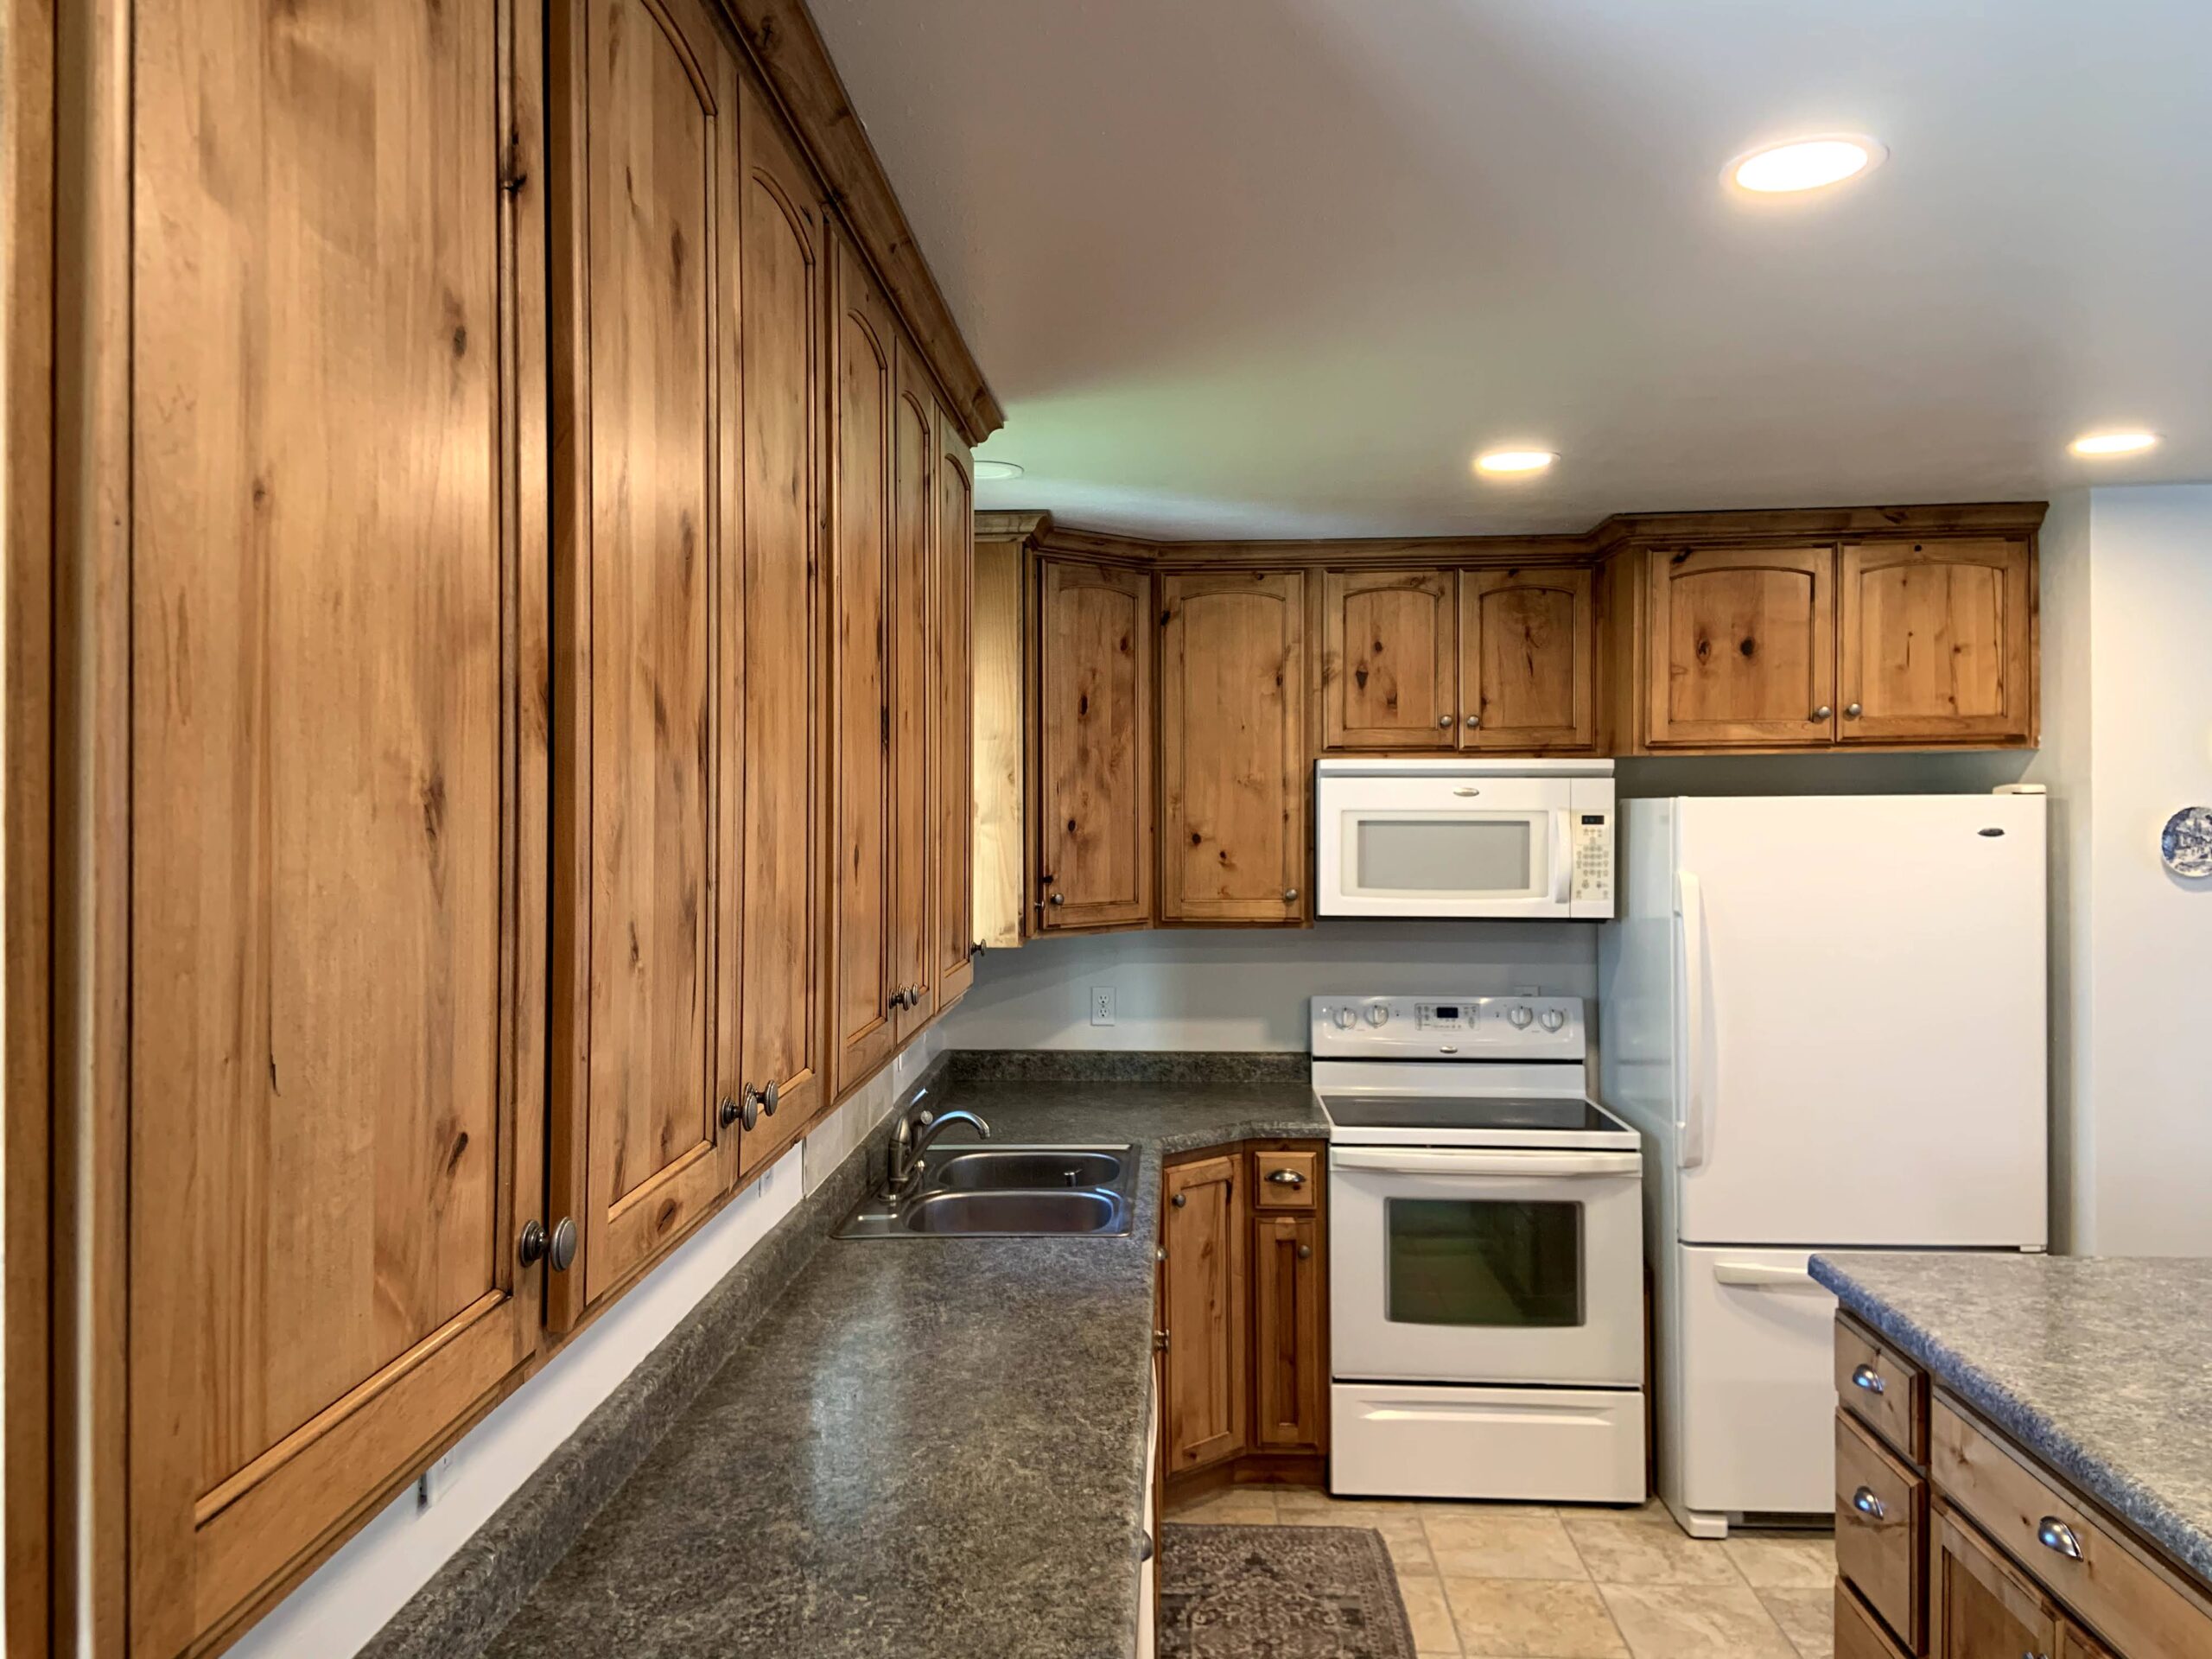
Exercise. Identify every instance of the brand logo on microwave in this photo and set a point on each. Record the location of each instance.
(1464, 790)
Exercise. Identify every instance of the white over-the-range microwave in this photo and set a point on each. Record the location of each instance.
(1461, 837)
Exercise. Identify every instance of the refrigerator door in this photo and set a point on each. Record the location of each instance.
(1859, 1020)
(1755, 1400)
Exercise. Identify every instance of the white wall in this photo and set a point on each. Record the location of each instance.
(2142, 966)
(346, 1601)
(1247, 990)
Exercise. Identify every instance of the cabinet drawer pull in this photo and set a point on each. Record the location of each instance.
(1866, 1377)
(1866, 1504)
(2054, 1534)
(1286, 1178)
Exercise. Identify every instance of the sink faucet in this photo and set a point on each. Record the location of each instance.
(912, 1137)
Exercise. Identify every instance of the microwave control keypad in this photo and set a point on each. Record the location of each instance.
(1593, 857)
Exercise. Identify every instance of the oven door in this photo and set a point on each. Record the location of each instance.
(1444, 844)
(1481, 1265)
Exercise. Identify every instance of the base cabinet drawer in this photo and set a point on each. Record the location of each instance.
(1980, 1607)
(1881, 1529)
(1881, 1389)
(1286, 1180)
(1859, 1634)
(2135, 1605)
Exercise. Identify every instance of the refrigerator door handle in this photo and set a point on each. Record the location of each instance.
(1761, 1276)
(1689, 924)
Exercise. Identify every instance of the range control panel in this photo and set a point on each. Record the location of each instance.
(1449, 1027)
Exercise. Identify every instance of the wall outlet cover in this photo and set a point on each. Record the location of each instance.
(1101, 1005)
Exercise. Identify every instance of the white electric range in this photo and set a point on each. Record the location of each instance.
(1486, 1254)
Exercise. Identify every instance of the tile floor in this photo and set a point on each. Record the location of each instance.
(1519, 1582)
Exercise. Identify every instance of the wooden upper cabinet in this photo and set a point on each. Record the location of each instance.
(952, 769)
(332, 944)
(999, 706)
(1741, 649)
(645, 114)
(1203, 1283)
(778, 672)
(1232, 747)
(863, 1016)
(1093, 734)
(914, 705)
(1388, 671)
(1936, 642)
(1527, 644)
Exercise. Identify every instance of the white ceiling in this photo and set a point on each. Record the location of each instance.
(1281, 267)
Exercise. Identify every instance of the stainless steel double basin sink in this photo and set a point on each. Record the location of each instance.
(991, 1192)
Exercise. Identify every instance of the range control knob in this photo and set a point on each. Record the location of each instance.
(1553, 1019)
(1521, 1014)
(1378, 1015)
(1346, 1019)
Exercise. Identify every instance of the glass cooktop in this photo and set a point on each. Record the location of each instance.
(1554, 1112)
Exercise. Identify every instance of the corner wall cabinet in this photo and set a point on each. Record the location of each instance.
(1094, 747)
(524, 713)
(1243, 1333)
(1952, 1542)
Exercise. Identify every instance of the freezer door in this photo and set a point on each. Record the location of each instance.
(1859, 1009)
(1756, 1394)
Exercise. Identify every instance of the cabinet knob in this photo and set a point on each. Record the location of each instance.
(1822, 712)
(1851, 711)
(1305, 1252)
(752, 1108)
(977, 948)
(556, 1249)
(728, 1113)
(1160, 1340)
(1056, 899)
(1473, 721)
(1866, 1504)
(1289, 895)
(1180, 1199)
(760, 1101)
(1443, 721)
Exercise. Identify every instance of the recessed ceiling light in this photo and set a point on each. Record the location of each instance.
(1514, 460)
(1804, 164)
(2095, 444)
(996, 470)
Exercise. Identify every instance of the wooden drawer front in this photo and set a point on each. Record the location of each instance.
(1881, 1529)
(1982, 1606)
(1286, 1180)
(1859, 1634)
(2134, 1603)
(1881, 1389)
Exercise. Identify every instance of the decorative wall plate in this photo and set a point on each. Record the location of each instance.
(2186, 842)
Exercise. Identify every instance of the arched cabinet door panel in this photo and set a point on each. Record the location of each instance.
(952, 743)
(1094, 734)
(1742, 647)
(1528, 642)
(1389, 672)
(1936, 642)
(1233, 832)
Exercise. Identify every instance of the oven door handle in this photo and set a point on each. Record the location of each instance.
(1476, 1164)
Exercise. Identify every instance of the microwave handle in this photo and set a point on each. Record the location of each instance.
(1562, 857)
(1694, 1103)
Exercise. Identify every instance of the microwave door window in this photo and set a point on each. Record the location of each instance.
(1445, 854)
(1483, 1262)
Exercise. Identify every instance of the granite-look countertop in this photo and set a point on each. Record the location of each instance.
(2101, 1367)
(928, 1445)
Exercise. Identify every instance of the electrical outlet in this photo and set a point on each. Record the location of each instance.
(1101, 1005)
(435, 1479)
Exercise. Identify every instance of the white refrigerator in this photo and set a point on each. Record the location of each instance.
(1827, 1015)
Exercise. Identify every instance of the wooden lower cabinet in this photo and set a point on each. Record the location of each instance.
(1243, 1300)
(1980, 1607)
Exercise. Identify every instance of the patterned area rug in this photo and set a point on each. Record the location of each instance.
(1279, 1593)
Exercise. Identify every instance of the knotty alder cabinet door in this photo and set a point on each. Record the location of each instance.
(1204, 1275)
(778, 670)
(1935, 642)
(952, 746)
(1094, 736)
(1290, 1372)
(336, 948)
(1741, 647)
(913, 712)
(1232, 747)
(1527, 646)
(647, 588)
(1388, 671)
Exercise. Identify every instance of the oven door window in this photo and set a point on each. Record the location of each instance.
(1483, 1262)
(1446, 853)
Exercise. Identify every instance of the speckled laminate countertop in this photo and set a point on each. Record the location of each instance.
(2100, 1366)
(928, 1446)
